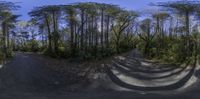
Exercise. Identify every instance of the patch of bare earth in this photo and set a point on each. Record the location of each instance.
(80, 75)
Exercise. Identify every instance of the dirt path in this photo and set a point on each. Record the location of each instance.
(27, 73)
(26, 77)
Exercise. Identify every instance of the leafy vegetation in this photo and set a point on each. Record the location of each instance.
(96, 30)
(7, 20)
(89, 30)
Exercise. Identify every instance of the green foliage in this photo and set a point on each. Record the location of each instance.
(49, 52)
(172, 51)
(33, 45)
(30, 46)
(97, 30)
(125, 45)
(87, 37)
(62, 52)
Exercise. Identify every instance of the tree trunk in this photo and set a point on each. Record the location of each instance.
(5, 46)
(107, 32)
(187, 39)
(49, 33)
(72, 35)
(96, 38)
(102, 30)
(86, 33)
(82, 28)
(55, 32)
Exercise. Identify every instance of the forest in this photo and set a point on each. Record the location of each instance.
(92, 31)
(95, 30)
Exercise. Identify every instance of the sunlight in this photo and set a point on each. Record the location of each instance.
(99, 49)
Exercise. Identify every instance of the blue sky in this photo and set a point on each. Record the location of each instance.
(27, 5)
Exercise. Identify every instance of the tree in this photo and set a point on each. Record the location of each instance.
(49, 14)
(160, 18)
(88, 27)
(123, 21)
(54, 11)
(111, 13)
(185, 8)
(41, 16)
(7, 19)
(146, 35)
(71, 18)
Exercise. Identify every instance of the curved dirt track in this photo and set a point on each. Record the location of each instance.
(26, 77)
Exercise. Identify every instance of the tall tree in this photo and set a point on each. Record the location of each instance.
(185, 8)
(122, 22)
(146, 35)
(71, 18)
(7, 18)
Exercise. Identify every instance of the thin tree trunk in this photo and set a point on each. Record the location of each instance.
(82, 28)
(49, 33)
(96, 39)
(55, 32)
(72, 35)
(86, 33)
(5, 46)
(107, 32)
(75, 39)
(102, 30)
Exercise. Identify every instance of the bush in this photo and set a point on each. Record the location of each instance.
(62, 52)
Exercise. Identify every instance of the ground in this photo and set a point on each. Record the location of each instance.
(26, 77)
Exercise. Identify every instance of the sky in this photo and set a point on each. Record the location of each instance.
(28, 5)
